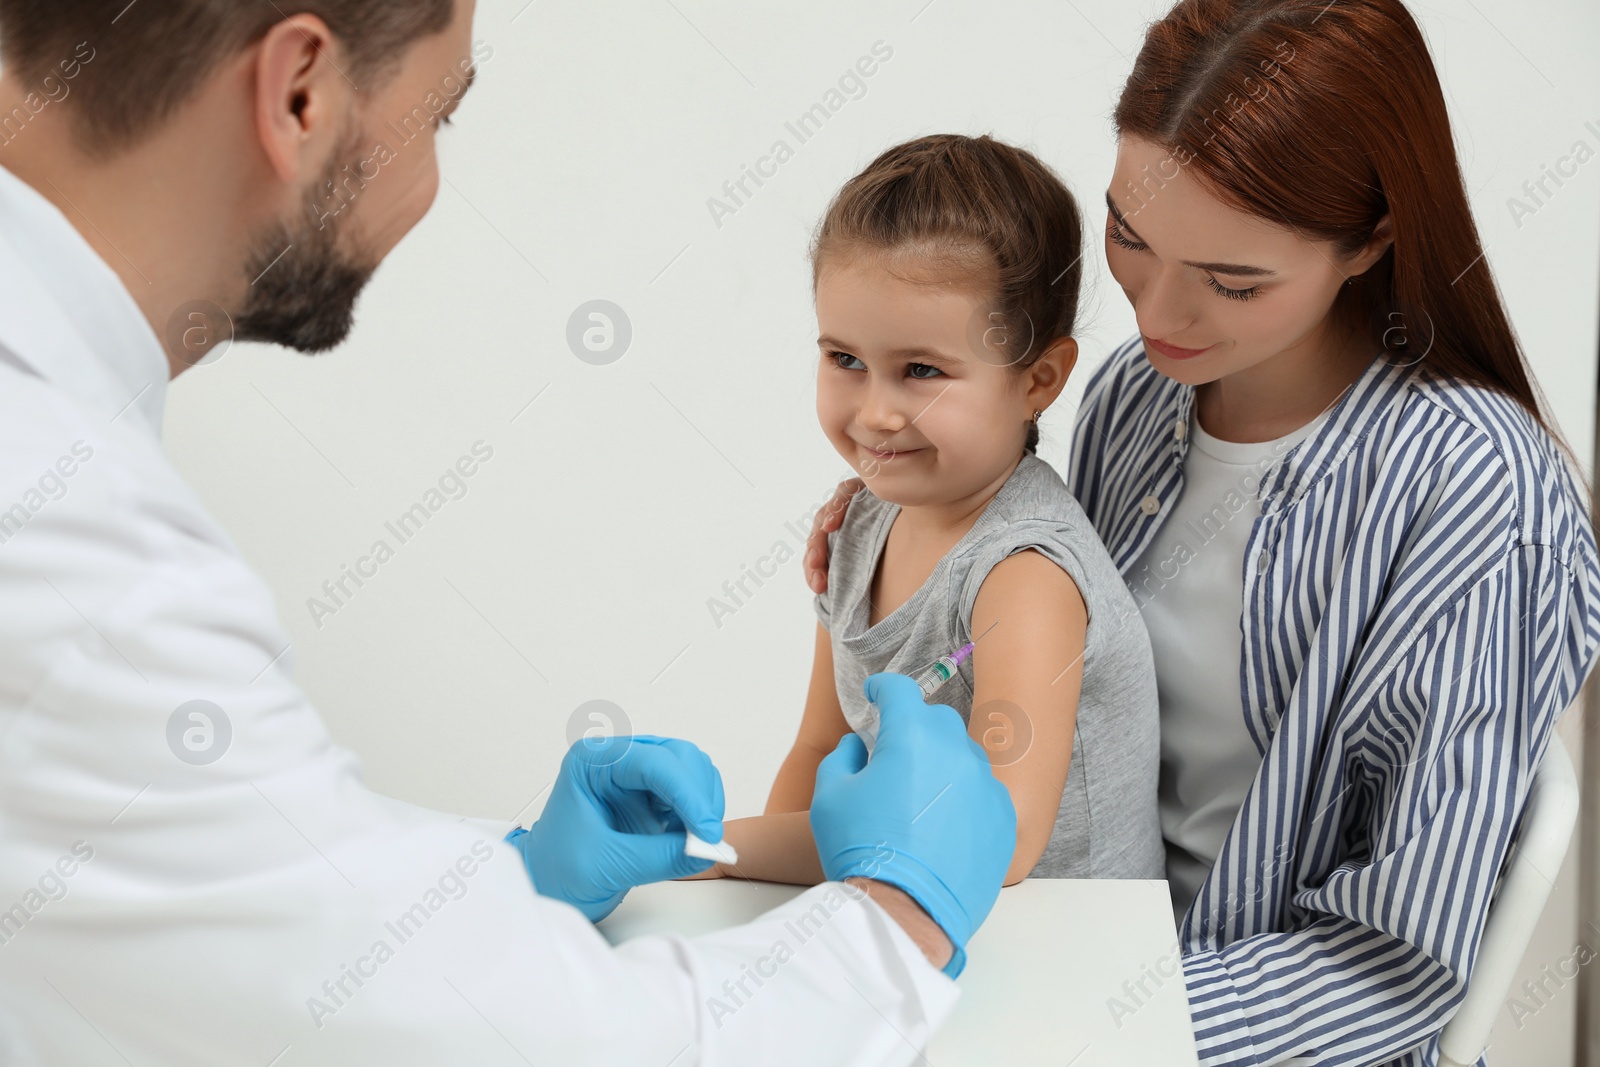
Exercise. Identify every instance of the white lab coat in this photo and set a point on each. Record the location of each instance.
(266, 908)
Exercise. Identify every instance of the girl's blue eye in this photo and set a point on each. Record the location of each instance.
(839, 360)
(838, 357)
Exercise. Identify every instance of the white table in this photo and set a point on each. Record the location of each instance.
(1045, 974)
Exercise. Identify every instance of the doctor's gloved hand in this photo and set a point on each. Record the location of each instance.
(925, 813)
(616, 819)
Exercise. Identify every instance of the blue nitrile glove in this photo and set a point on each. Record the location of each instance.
(616, 819)
(926, 813)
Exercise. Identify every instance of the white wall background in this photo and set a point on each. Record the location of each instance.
(579, 564)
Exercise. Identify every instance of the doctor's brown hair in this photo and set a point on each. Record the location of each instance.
(979, 213)
(149, 58)
(1321, 116)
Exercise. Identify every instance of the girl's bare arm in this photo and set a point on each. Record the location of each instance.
(1028, 671)
(822, 724)
(772, 848)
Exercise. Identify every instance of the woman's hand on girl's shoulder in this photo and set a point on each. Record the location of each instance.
(828, 518)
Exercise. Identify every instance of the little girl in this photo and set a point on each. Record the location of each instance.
(946, 281)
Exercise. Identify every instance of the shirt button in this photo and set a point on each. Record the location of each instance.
(1180, 429)
(1262, 561)
(1149, 505)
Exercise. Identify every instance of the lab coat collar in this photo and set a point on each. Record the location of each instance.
(67, 317)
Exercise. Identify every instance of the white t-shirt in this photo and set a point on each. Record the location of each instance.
(1189, 585)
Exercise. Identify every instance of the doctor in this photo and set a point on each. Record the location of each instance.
(191, 872)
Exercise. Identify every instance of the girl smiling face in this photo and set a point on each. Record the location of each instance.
(907, 390)
(1218, 292)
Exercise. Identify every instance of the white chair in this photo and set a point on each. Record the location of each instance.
(1537, 852)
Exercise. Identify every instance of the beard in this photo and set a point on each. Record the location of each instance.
(306, 285)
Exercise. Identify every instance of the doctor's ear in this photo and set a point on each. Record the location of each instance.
(301, 95)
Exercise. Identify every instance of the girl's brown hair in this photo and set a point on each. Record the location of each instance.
(1322, 116)
(978, 212)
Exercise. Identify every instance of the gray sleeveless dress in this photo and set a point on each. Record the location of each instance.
(1108, 824)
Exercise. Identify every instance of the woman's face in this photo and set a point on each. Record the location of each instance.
(905, 394)
(1215, 291)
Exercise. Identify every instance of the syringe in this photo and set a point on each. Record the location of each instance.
(932, 679)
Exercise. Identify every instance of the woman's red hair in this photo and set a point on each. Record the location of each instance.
(1322, 116)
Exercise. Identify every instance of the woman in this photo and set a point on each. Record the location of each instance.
(1369, 577)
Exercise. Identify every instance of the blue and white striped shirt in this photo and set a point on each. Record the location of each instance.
(1421, 603)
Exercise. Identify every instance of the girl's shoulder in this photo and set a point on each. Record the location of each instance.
(1035, 490)
(861, 511)
(1036, 509)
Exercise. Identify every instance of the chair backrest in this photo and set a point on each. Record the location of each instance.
(1536, 857)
